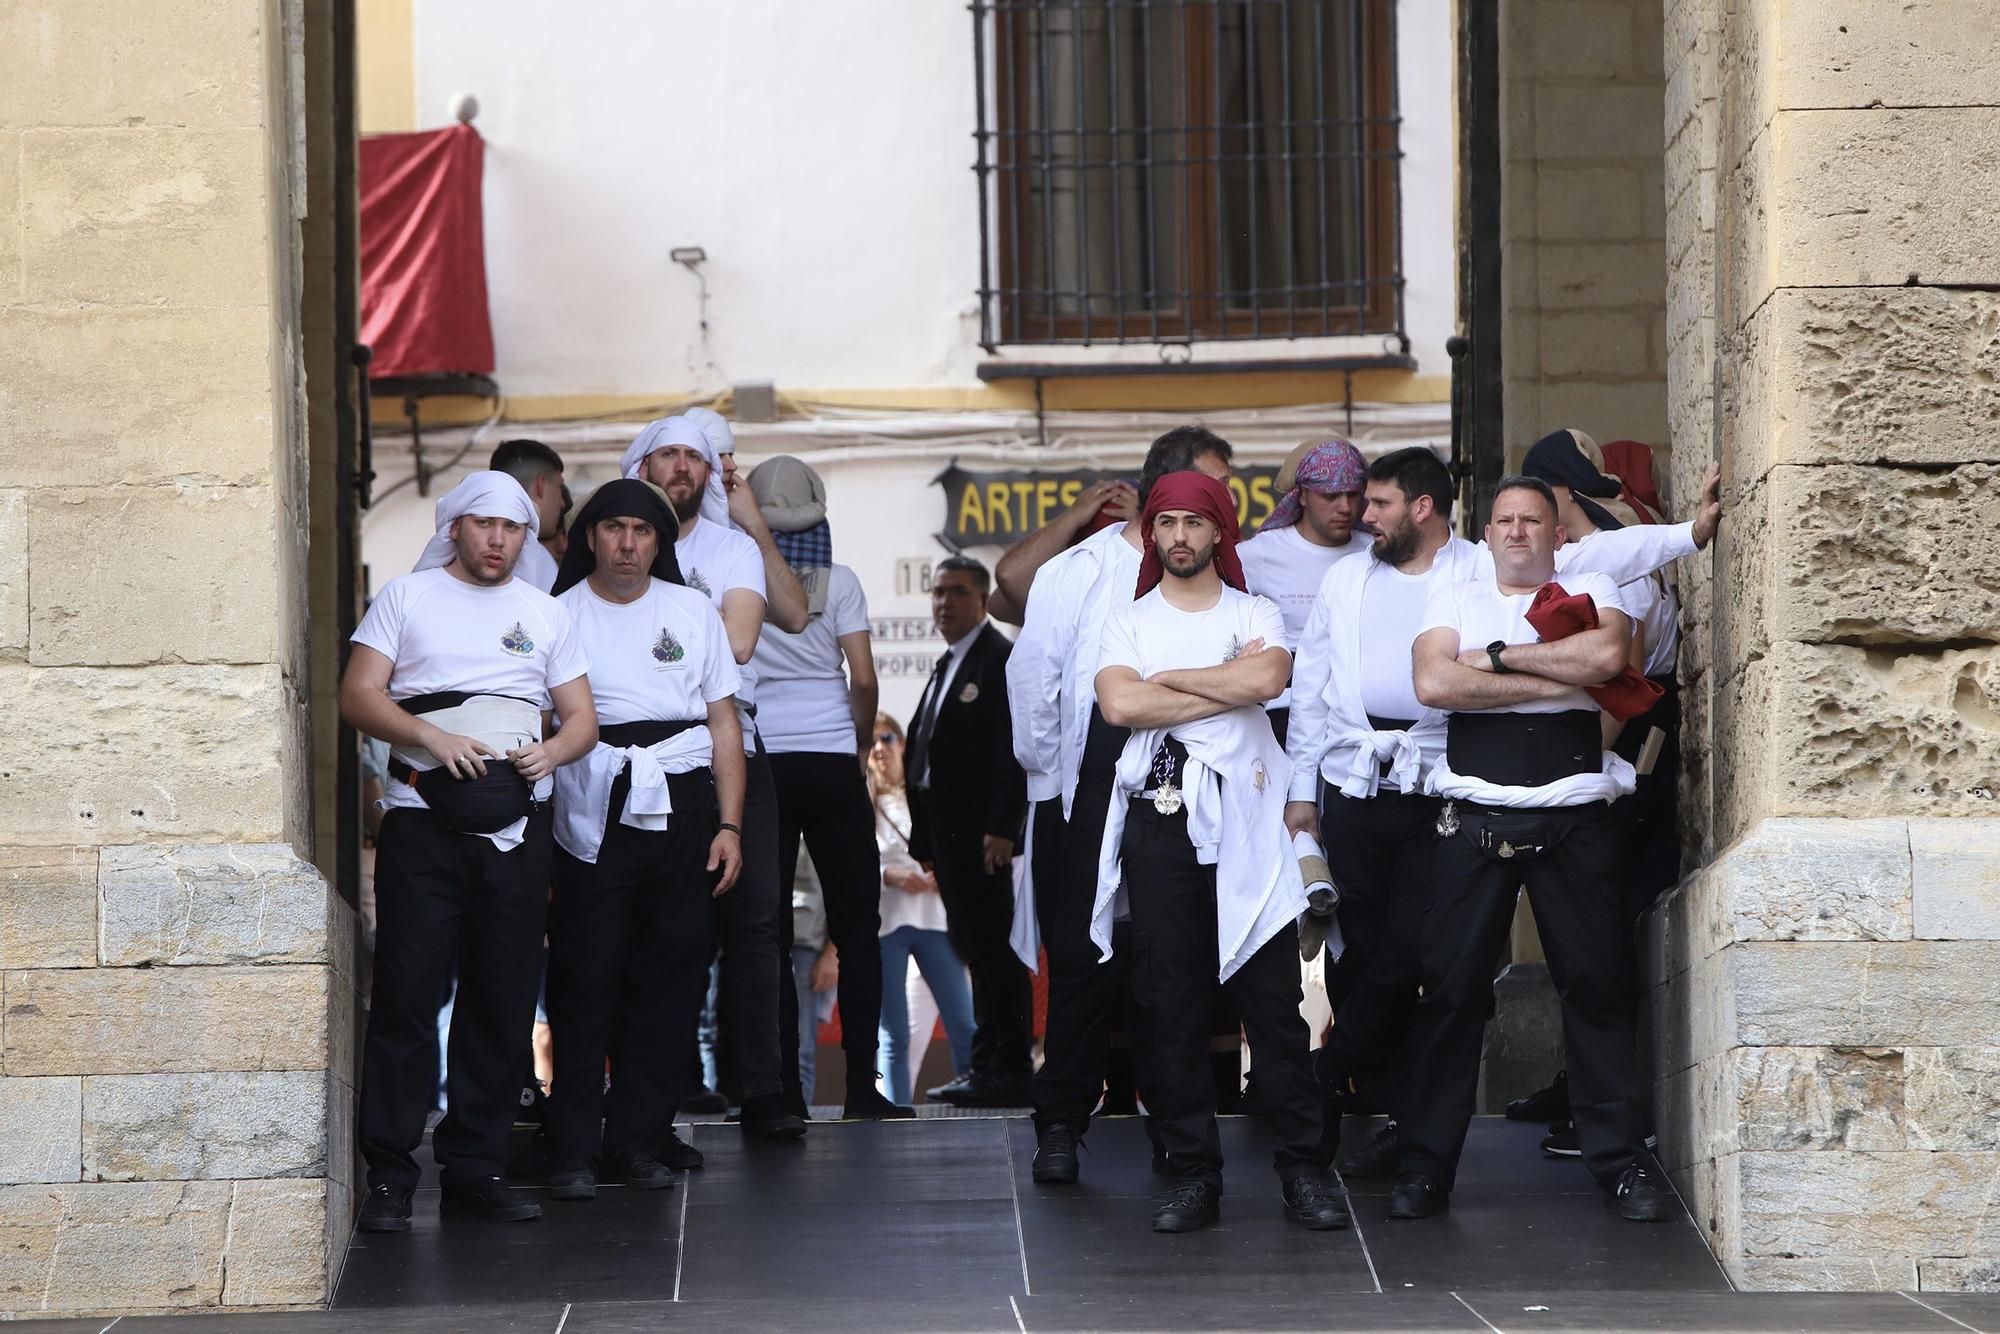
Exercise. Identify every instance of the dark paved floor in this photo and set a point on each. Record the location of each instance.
(935, 1225)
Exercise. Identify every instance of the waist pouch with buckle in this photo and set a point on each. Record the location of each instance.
(479, 804)
(1507, 835)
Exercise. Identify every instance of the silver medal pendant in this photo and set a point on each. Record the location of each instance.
(1447, 824)
(1167, 798)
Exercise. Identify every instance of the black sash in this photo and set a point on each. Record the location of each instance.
(645, 732)
(1524, 749)
(648, 732)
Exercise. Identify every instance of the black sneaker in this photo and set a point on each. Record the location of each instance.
(768, 1117)
(679, 1154)
(386, 1208)
(1313, 1202)
(489, 1198)
(1417, 1196)
(573, 1179)
(534, 1104)
(1055, 1154)
(1561, 1141)
(1377, 1158)
(1641, 1194)
(1549, 1104)
(869, 1105)
(641, 1171)
(1188, 1207)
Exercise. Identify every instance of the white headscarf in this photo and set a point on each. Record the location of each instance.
(489, 495)
(715, 426)
(685, 432)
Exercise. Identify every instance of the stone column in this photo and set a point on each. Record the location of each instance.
(1826, 1000)
(175, 1007)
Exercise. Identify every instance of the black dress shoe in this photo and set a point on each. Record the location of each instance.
(1549, 1104)
(386, 1208)
(1188, 1207)
(679, 1154)
(956, 1085)
(1055, 1154)
(573, 1179)
(1641, 1195)
(1377, 1158)
(768, 1118)
(1313, 1202)
(640, 1171)
(986, 1090)
(489, 1198)
(1417, 1196)
(870, 1105)
(1561, 1141)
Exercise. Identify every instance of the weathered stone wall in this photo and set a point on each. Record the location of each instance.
(171, 969)
(1584, 226)
(1827, 1029)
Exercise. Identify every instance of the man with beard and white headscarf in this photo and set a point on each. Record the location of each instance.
(648, 833)
(736, 571)
(453, 666)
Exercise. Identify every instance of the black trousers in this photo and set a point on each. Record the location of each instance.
(629, 941)
(1574, 889)
(1380, 850)
(441, 896)
(979, 917)
(824, 799)
(1174, 965)
(747, 928)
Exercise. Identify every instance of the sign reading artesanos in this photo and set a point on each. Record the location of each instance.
(997, 508)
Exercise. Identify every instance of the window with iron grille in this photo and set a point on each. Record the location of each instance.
(1170, 170)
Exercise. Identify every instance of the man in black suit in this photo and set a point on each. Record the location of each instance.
(967, 799)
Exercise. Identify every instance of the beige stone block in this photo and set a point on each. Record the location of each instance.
(48, 907)
(183, 1127)
(10, 213)
(1653, 203)
(1693, 150)
(1882, 730)
(1818, 1098)
(13, 571)
(89, 1247)
(1950, 1273)
(1609, 410)
(1607, 121)
(1953, 1097)
(144, 216)
(1594, 345)
(1620, 275)
(98, 62)
(205, 903)
(1694, 1014)
(165, 1020)
(1855, 1206)
(95, 603)
(1825, 1273)
(1955, 878)
(42, 1140)
(1587, 203)
(116, 754)
(1812, 879)
(1881, 375)
(1586, 39)
(99, 396)
(278, 1243)
(1851, 53)
(1875, 994)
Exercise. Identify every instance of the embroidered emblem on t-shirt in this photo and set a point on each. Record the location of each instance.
(697, 583)
(1258, 778)
(1235, 649)
(516, 641)
(667, 648)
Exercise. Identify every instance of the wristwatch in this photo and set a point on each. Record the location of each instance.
(1493, 652)
(726, 827)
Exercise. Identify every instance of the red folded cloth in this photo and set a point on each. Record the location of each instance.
(1555, 615)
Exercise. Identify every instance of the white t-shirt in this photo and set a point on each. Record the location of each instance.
(1392, 615)
(1152, 635)
(443, 633)
(802, 700)
(1283, 566)
(715, 559)
(1647, 601)
(1481, 613)
(664, 656)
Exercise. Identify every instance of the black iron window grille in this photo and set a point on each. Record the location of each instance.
(1170, 170)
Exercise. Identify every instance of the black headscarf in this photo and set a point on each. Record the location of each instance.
(626, 498)
(1557, 459)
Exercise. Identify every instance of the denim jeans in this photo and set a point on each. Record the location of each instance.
(944, 973)
(803, 959)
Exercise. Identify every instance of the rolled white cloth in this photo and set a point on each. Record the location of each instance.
(583, 788)
(688, 434)
(1613, 781)
(488, 495)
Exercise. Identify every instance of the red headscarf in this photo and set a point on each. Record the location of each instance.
(1200, 494)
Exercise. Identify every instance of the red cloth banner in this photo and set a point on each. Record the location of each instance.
(423, 253)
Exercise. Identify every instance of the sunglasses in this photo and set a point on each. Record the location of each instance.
(884, 738)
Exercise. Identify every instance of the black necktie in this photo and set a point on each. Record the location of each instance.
(927, 711)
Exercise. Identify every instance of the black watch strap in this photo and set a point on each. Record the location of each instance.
(1493, 652)
(734, 829)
